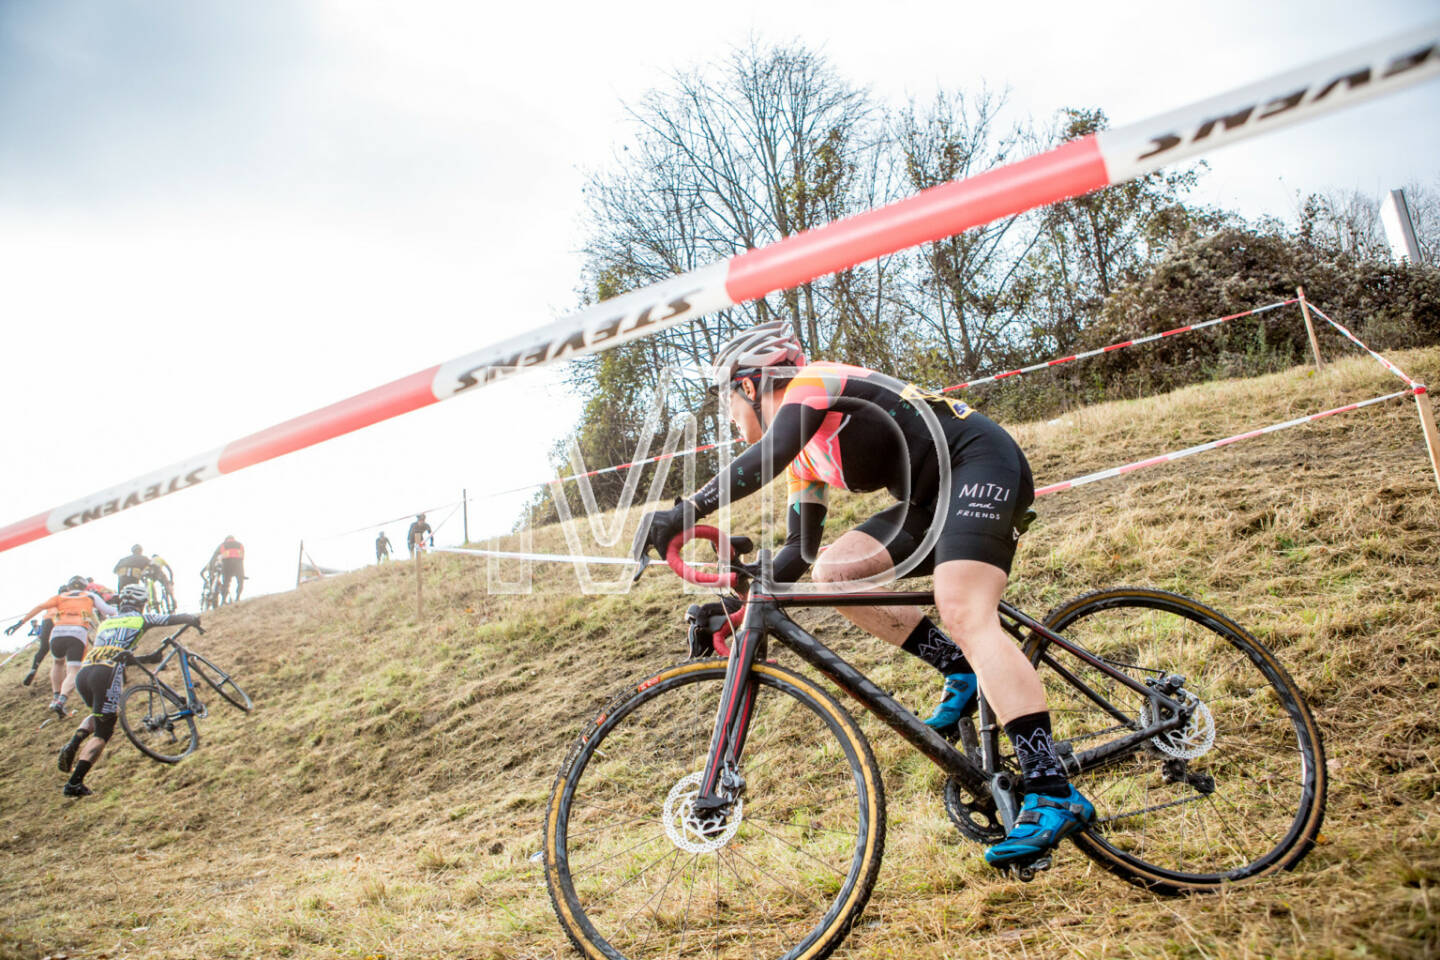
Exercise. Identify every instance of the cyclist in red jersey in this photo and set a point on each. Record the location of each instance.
(231, 557)
(834, 425)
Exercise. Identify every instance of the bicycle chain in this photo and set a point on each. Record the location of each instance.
(1144, 810)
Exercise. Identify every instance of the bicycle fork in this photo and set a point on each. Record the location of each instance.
(721, 783)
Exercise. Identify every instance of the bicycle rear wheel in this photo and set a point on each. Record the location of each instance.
(1236, 793)
(152, 720)
(222, 682)
(635, 872)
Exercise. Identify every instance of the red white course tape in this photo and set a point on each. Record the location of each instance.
(1213, 444)
(1356, 340)
(1099, 160)
(1044, 364)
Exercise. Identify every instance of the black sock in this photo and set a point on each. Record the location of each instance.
(1030, 736)
(77, 739)
(929, 643)
(82, 767)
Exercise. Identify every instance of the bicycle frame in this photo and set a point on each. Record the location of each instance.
(765, 617)
(188, 703)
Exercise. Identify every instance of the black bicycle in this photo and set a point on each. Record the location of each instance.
(211, 595)
(161, 722)
(734, 808)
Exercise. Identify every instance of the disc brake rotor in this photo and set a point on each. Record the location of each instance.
(698, 833)
(1192, 740)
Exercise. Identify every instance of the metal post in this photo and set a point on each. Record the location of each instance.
(465, 513)
(1427, 423)
(1310, 329)
(299, 562)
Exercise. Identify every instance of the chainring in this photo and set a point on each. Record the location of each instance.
(975, 817)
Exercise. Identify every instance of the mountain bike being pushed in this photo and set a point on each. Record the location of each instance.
(731, 807)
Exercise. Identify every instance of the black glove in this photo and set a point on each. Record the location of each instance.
(12, 628)
(659, 527)
(186, 619)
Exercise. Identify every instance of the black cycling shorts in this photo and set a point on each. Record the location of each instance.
(68, 648)
(990, 490)
(101, 684)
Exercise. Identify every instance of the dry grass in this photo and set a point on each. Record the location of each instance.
(384, 798)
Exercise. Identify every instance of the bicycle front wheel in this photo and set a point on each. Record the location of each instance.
(154, 723)
(1237, 792)
(221, 682)
(634, 871)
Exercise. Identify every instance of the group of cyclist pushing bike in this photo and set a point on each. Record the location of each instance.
(90, 632)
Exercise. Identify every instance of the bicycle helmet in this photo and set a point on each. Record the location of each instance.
(742, 359)
(763, 345)
(76, 583)
(134, 596)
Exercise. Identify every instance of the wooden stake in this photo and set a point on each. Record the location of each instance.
(419, 600)
(299, 563)
(1310, 329)
(465, 514)
(1432, 435)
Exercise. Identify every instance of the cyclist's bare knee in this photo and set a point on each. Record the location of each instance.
(967, 593)
(854, 556)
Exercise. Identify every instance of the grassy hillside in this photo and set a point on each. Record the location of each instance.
(385, 796)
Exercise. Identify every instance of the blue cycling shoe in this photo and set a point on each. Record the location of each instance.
(1043, 822)
(959, 699)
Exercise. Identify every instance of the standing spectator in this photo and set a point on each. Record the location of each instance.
(231, 555)
(419, 530)
(131, 568)
(382, 548)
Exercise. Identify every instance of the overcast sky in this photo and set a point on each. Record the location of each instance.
(215, 216)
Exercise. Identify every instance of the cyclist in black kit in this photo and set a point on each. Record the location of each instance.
(834, 425)
(131, 567)
(419, 530)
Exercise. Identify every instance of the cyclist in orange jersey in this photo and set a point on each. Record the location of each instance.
(70, 637)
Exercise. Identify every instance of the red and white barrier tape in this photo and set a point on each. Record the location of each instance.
(1042, 491)
(1199, 448)
(516, 555)
(1045, 364)
(615, 469)
(1356, 340)
(1092, 162)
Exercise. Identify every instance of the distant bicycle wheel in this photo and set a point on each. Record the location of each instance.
(152, 721)
(222, 682)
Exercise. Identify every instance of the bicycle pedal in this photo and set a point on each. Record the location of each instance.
(1026, 872)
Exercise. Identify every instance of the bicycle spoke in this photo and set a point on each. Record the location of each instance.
(634, 846)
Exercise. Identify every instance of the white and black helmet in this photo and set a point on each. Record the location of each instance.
(133, 595)
(770, 344)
